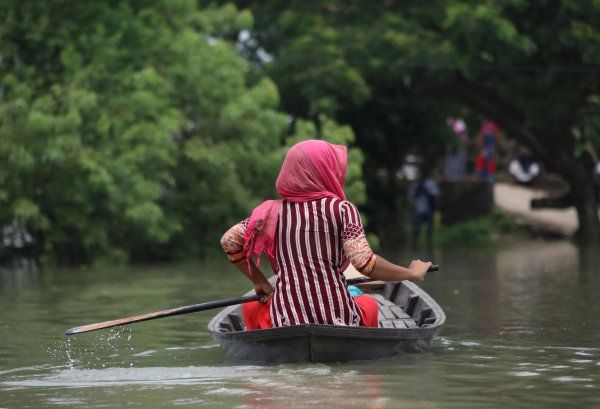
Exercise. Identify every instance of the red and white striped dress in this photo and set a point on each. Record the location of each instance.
(315, 242)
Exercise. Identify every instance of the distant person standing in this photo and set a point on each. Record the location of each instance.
(424, 194)
(524, 168)
(485, 164)
(455, 160)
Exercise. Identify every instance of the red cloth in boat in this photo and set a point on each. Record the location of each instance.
(258, 316)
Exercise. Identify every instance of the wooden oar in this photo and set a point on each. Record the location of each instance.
(176, 311)
(163, 313)
(187, 309)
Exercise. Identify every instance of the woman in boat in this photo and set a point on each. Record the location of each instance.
(310, 236)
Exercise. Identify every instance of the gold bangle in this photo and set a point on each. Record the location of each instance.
(370, 266)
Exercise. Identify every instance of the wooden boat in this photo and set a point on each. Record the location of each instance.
(408, 320)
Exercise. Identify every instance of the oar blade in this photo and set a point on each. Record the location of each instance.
(163, 313)
(94, 327)
(73, 331)
(123, 321)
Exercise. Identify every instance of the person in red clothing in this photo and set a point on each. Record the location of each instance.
(310, 236)
(485, 163)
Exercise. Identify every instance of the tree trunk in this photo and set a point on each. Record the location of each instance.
(582, 192)
(587, 213)
(589, 227)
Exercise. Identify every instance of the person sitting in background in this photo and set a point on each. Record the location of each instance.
(524, 168)
(424, 195)
(310, 236)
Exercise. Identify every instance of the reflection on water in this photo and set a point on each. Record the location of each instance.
(523, 330)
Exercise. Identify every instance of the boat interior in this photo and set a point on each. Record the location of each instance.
(400, 307)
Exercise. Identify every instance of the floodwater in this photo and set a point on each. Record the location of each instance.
(523, 330)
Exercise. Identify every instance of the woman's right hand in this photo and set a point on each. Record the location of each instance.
(265, 289)
(419, 269)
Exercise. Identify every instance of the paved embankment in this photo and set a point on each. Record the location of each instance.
(516, 200)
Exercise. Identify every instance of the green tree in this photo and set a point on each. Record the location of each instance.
(531, 66)
(86, 128)
(133, 129)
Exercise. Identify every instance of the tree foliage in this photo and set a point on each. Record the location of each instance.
(134, 129)
(393, 69)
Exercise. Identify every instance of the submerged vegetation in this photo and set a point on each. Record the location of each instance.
(497, 226)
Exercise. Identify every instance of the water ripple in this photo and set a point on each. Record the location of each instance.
(525, 374)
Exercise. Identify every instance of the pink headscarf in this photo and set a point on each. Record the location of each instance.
(311, 170)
